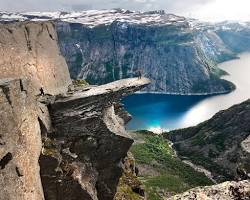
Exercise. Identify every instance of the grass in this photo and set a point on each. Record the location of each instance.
(80, 82)
(173, 175)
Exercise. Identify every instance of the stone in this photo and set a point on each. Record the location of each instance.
(30, 51)
(20, 142)
(224, 191)
(89, 142)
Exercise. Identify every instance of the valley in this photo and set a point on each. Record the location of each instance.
(65, 131)
(167, 112)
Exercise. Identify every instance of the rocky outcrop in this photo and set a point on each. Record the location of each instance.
(82, 148)
(29, 60)
(224, 191)
(220, 144)
(20, 141)
(64, 145)
(82, 158)
(30, 51)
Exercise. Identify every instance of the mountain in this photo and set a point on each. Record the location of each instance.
(220, 144)
(69, 143)
(179, 55)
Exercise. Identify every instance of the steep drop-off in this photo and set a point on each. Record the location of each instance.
(75, 134)
(178, 54)
(83, 157)
(20, 141)
(174, 56)
(29, 60)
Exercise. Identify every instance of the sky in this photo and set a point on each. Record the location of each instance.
(208, 10)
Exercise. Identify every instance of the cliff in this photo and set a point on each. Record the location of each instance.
(29, 60)
(89, 142)
(173, 56)
(20, 142)
(68, 144)
(179, 55)
(220, 144)
(30, 51)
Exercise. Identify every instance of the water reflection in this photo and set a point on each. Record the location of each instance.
(154, 111)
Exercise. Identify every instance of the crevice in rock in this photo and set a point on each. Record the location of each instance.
(43, 128)
(139, 191)
(18, 172)
(40, 31)
(21, 86)
(5, 160)
(2, 142)
(50, 35)
(6, 91)
(9, 30)
(41, 110)
(27, 35)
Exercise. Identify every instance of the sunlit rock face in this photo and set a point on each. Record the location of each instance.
(30, 51)
(20, 141)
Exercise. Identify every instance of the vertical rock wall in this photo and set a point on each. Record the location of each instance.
(29, 59)
(20, 142)
(30, 51)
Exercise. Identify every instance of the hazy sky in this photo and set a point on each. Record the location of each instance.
(204, 9)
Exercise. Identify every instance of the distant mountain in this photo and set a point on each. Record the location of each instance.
(221, 144)
(179, 55)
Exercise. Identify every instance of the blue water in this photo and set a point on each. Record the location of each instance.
(156, 110)
(159, 112)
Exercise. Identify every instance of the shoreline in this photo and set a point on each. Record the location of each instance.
(188, 94)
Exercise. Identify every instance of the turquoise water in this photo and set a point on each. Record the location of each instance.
(160, 112)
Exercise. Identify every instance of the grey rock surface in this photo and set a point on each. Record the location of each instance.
(83, 157)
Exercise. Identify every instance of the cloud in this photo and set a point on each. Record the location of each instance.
(52, 5)
(204, 9)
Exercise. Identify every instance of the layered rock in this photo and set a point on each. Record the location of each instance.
(224, 191)
(82, 158)
(220, 144)
(30, 51)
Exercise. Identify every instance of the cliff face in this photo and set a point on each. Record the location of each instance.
(89, 143)
(173, 56)
(220, 144)
(30, 51)
(235, 35)
(76, 138)
(20, 141)
(29, 60)
(179, 55)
